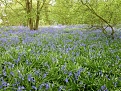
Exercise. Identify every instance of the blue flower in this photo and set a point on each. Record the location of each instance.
(1, 86)
(115, 84)
(70, 74)
(100, 73)
(44, 76)
(4, 72)
(61, 88)
(28, 63)
(63, 67)
(104, 88)
(47, 86)
(21, 76)
(37, 72)
(17, 61)
(46, 64)
(10, 65)
(79, 71)
(5, 84)
(40, 87)
(12, 73)
(20, 88)
(34, 87)
(66, 80)
(31, 79)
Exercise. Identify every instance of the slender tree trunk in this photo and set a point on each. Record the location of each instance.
(37, 23)
(30, 20)
(46, 14)
(33, 23)
(29, 13)
(37, 16)
(38, 13)
(27, 6)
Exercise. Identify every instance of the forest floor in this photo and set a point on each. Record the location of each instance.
(59, 58)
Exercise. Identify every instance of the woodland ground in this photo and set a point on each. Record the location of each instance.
(59, 58)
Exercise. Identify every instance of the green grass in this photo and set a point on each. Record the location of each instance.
(60, 61)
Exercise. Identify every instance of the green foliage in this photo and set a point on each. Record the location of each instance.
(67, 12)
(66, 59)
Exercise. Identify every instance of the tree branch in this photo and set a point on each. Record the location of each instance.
(93, 11)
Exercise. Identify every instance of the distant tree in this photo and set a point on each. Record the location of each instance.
(34, 22)
(26, 12)
(32, 13)
(107, 19)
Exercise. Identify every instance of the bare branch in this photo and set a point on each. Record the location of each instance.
(93, 12)
(21, 4)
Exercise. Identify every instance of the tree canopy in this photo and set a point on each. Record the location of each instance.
(33, 13)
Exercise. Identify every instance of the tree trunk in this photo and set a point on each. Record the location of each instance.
(37, 16)
(46, 14)
(37, 23)
(29, 13)
(38, 13)
(33, 23)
